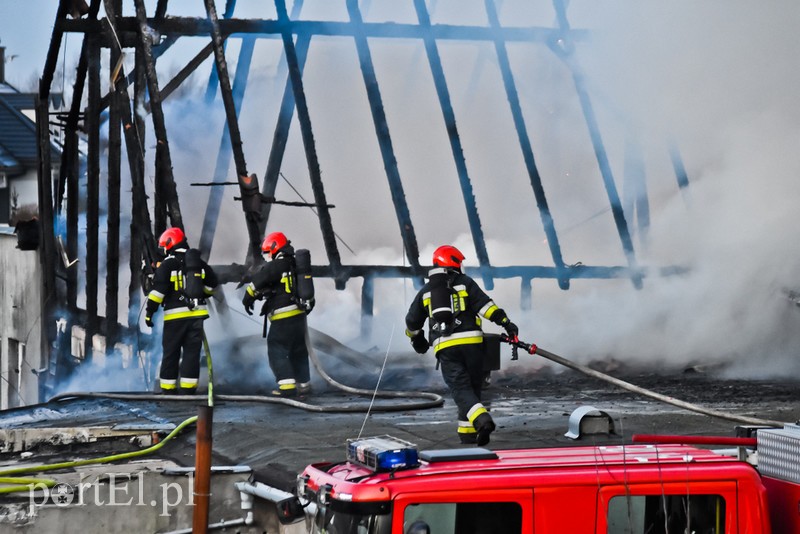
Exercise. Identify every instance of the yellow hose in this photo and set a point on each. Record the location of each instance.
(23, 483)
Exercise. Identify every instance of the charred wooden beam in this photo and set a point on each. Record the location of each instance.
(634, 187)
(141, 233)
(367, 306)
(328, 236)
(443, 94)
(439, 81)
(402, 213)
(47, 253)
(185, 72)
(564, 48)
(271, 200)
(190, 26)
(51, 60)
(236, 273)
(161, 9)
(131, 40)
(113, 7)
(164, 176)
(223, 156)
(233, 129)
(139, 94)
(525, 145)
(213, 78)
(677, 165)
(285, 113)
(71, 164)
(281, 134)
(92, 193)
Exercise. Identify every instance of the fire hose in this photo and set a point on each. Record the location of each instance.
(433, 400)
(15, 483)
(532, 349)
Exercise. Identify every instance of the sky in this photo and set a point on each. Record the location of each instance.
(717, 79)
(25, 30)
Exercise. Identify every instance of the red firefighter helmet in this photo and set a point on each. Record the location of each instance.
(170, 238)
(273, 243)
(448, 256)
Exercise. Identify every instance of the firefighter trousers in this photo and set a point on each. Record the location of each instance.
(287, 350)
(462, 371)
(182, 342)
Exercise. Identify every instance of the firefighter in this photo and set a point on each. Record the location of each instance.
(183, 334)
(453, 304)
(276, 283)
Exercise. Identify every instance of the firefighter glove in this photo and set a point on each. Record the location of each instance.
(419, 343)
(511, 329)
(249, 303)
(148, 321)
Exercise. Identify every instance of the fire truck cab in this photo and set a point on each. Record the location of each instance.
(387, 486)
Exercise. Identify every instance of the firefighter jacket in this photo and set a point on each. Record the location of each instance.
(168, 283)
(470, 304)
(275, 283)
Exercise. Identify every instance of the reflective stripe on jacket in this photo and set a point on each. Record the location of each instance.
(469, 303)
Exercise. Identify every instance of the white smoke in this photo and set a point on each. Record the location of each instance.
(717, 79)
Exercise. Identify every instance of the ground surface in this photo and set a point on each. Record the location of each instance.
(531, 409)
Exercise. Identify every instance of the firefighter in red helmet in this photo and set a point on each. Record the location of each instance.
(184, 311)
(453, 304)
(275, 282)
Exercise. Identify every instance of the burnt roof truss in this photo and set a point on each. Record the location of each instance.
(148, 36)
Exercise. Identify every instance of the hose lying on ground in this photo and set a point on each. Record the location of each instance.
(24, 483)
(433, 400)
(533, 349)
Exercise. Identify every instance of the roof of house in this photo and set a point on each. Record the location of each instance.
(17, 132)
(9, 163)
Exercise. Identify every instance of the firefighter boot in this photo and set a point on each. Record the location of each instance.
(468, 439)
(285, 393)
(303, 390)
(485, 426)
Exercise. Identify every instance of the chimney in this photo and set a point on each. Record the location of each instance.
(2, 64)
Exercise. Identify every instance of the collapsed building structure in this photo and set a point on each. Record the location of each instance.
(90, 309)
(104, 168)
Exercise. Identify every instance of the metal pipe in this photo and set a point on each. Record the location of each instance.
(263, 491)
(202, 470)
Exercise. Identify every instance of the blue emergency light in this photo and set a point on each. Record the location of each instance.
(382, 453)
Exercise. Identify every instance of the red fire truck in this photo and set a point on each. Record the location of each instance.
(387, 486)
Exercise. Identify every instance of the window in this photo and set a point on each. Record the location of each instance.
(463, 518)
(666, 514)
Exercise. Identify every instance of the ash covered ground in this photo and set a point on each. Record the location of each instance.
(531, 407)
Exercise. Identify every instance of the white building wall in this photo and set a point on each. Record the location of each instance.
(20, 327)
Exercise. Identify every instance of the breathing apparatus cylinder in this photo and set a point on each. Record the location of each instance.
(193, 282)
(305, 282)
(441, 308)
